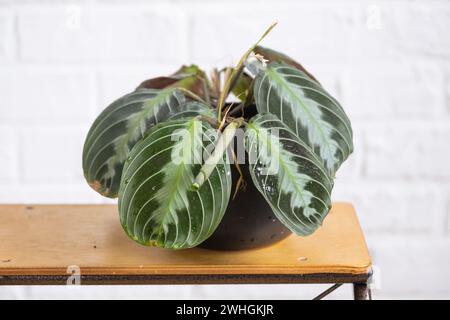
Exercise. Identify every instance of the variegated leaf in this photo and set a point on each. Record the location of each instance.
(119, 127)
(307, 109)
(288, 174)
(156, 203)
(193, 109)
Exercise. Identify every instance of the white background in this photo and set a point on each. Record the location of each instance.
(388, 62)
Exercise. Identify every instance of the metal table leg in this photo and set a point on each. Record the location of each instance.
(361, 291)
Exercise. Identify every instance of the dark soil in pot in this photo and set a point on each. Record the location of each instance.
(248, 222)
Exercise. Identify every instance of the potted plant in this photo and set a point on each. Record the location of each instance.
(166, 151)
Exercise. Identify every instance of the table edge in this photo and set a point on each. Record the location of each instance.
(187, 270)
(315, 278)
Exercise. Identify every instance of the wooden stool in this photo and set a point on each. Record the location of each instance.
(60, 244)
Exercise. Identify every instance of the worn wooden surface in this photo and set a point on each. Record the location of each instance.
(45, 239)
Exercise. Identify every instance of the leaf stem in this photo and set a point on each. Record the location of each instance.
(191, 94)
(236, 72)
(221, 147)
(241, 183)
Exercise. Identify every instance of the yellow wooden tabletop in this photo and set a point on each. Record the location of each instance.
(46, 239)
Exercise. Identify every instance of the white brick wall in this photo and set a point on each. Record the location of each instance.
(99, 33)
(46, 95)
(388, 62)
(6, 35)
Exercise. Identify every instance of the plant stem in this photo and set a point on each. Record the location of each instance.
(236, 72)
(192, 95)
(221, 147)
(215, 80)
(241, 181)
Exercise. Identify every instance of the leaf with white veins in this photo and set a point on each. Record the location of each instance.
(307, 109)
(157, 205)
(288, 174)
(121, 125)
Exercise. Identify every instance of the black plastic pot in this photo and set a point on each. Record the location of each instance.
(249, 221)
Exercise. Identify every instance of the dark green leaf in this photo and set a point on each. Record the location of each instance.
(308, 110)
(156, 203)
(120, 126)
(288, 174)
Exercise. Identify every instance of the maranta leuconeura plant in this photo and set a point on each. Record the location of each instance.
(162, 149)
